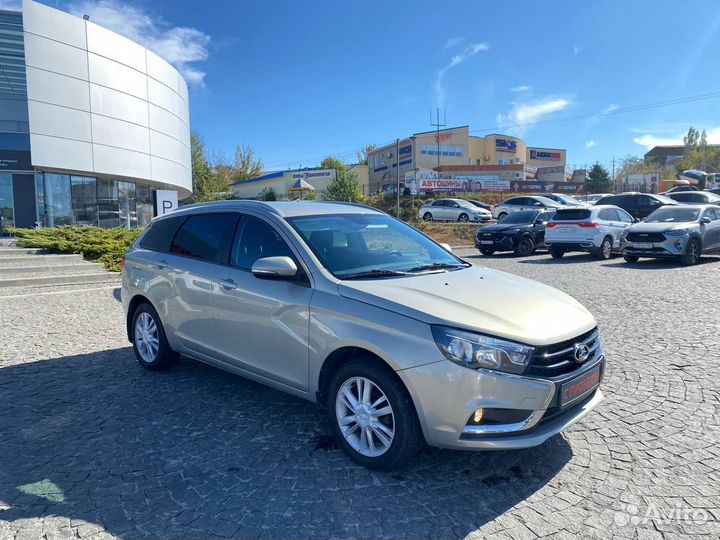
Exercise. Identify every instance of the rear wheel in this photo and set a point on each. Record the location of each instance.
(502, 216)
(692, 255)
(463, 218)
(427, 216)
(556, 253)
(487, 252)
(604, 252)
(149, 342)
(373, 416)
(631, 258)
(525, 247)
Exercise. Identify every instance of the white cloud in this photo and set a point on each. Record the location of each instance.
(649, 140)
(452, 42)
(521, 88)
(182, 46)
(589, 144)
(11, 5)
(471, 50)
(524, 115)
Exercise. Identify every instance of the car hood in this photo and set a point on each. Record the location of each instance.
(479, 299)
(659, 227)
(500, 227)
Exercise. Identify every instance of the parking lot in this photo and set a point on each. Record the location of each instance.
(93, 446)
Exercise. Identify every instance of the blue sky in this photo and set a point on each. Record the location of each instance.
(299, 80)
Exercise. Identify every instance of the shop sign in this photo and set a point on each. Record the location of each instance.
(304, 175)
(505, 145)
(15, 160)
(544, 155)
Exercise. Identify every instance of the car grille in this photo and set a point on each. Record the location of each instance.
(490, 236)
(645, 237)
(559, 359)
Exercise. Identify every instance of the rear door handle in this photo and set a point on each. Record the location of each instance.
(228, 284)
(160, 265)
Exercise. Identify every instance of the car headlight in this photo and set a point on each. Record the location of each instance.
(676, 232)
(477, 351)
(512, 231)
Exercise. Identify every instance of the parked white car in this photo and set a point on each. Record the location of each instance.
(566, 200)
(453, 210)
(597, 230)
(518, 204)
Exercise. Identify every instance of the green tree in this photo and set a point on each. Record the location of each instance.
(362, 153)
(333, 163)
(206, 185)
(598, 180)
(243, 166)
(345, 186)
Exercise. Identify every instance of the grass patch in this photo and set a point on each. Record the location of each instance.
(106, 246)
(455, 234)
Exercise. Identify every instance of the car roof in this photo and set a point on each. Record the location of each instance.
(280, 208)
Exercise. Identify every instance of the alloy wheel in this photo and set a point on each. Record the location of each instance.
(693, 252)
(365, 416)
(607, 249)
(147, 338)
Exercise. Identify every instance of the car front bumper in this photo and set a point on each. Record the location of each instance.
(447, 395)
(503, 243)
(674, 247)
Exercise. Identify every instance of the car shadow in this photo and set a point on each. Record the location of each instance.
(568, 258)
(94, 441)
(659, 264)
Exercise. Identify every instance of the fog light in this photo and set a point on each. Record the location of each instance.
(478, 416)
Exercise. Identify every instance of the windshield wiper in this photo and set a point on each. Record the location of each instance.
(375, 272)
(437, 266)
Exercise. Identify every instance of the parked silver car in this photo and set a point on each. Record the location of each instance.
(682, 232)
(529, 202)
(598, 230)
(453, 210)
(565, 200)
(394, 336)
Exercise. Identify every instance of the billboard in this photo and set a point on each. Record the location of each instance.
(505, 145)
(322, 173)
(545, 155)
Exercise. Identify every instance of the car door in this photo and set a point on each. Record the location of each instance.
(539, 227)
(439, 211)
(711, 240)
(200, 243)
(262, 325)
(625, 221)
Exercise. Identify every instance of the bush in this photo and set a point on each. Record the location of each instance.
(106, 246)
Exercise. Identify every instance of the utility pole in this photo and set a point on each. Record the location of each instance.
(613, 174)
(397, 173)
(438, 125)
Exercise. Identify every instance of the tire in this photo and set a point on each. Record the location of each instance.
(604, 252)
(501, 216)
(556, 253)
(427, 216)
(145, 324)
(525, 247)
(463, 218)
(400, 427)
(487, 252)
(631, 258)
(693, 253)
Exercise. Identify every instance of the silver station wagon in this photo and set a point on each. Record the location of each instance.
(397, 339)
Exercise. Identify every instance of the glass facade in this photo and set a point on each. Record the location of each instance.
(7, 215)
(64, 199)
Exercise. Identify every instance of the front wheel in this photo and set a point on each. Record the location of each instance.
(556, 253)
(427, 216)
(525, 247)
(373, 416)
(463, 218)
(692, 255)
(149, 342)
(631, 258)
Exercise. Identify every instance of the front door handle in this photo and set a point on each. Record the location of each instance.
(160, 264)
(228, 284)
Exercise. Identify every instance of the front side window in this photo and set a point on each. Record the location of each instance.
(257, 239)
(205, 236)
(356, 245)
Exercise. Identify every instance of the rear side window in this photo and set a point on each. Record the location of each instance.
(571, 214)
(206, 236)
(160, 234)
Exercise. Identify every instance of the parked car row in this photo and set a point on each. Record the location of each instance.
(684, 232)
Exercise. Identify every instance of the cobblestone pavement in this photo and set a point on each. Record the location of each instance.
(93, 446)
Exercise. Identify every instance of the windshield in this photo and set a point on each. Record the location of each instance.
(565, 199)
(547, 202)
(519, 218)
(371, 245)
(673, 215)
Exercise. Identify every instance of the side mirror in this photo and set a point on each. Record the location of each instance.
(705, 220)
(447, 247)
(274, 268)
(636, 220)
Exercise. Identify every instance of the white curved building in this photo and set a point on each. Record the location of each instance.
(91, 123)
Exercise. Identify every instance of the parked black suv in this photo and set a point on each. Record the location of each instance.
(638, 205)
(521, 232)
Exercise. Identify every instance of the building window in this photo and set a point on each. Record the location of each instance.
(445, 150)
(84, 200)
(126, 206)
(144, 205)
(107, 198)
(7, 212)
(58, 200)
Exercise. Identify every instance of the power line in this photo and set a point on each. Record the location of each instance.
(619, 110)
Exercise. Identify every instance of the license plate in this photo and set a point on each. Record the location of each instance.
(565, 229)
(579, 387)
(486, 241)
(643, 245)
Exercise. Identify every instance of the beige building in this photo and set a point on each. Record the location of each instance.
(295, 183)
(455, 147)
